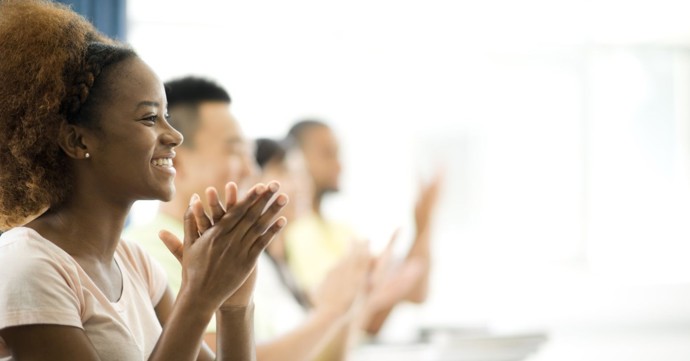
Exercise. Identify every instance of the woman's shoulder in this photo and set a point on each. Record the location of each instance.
(25, 244)
(31, 263)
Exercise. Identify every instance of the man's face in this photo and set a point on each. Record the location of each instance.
(320, 149)
(219, 153)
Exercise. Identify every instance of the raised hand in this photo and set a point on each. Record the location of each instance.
(345, 282)
(390, 282)
(427, 200)
(220, 250)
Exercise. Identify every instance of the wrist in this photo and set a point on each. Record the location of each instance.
(235, 319)
(193, 302)
(236, 308)
(236, 301)
(331, 314)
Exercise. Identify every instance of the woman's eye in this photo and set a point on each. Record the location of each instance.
(151, 118)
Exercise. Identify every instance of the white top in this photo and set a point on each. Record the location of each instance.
(276, 310)
(42, 284)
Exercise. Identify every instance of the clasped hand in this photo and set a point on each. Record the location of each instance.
(220, 248)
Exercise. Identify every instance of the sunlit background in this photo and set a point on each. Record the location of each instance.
(564, 128)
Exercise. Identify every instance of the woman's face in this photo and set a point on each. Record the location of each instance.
(131, 154)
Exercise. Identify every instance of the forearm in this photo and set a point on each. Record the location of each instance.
(374, 321)
(235, 335)
(419, 292)
(307, 341)
(182, 334)
(420, 252)
(336, 349)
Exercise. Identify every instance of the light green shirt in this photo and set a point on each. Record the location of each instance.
(314, 246)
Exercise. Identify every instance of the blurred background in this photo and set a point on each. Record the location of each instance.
(564, 128)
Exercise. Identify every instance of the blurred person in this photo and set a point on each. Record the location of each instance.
(314, 244)
(215, 151)
(281, 162)
(285, 164)
(83, 135)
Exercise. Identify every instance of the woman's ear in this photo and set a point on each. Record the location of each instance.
(72, 141)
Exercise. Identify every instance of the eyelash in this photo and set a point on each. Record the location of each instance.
(154, 118)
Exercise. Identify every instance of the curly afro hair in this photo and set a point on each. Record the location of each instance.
(49, 70)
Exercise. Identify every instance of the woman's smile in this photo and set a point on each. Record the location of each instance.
(164, 164)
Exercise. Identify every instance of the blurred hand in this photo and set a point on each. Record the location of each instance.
(427, 201)
(220, 250)
(345, 283)
(391, 282)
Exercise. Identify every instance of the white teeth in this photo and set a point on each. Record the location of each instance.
(162, 162)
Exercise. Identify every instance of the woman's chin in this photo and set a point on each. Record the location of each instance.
(167, 194)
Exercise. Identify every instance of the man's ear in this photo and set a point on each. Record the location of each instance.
(72, 140)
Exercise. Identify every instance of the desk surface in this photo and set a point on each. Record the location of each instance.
(584, 345)
(617, 345)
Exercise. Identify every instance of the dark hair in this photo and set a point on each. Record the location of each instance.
(269, 150)
(188, 93)
(50, 66)
(89, 88)
(295, 136)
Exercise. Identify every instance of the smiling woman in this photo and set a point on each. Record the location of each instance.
(83, 135)
(132, 151)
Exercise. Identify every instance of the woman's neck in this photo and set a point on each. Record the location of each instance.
(87, 229)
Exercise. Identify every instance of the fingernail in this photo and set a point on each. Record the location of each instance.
(195, 197)
(281, 221)
(282, 200)
(260, 189)
(273, 187)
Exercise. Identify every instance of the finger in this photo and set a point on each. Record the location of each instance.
(191, 231)
(390, 247)
(431, 190)
(265, 239)
(260, 206)
(391, 242)
(362, 265)
(174, 245)
(202, 221)
(253, 231)
(383, 262)
(235, 212)
(230, 195)
(248, 211)
(217, 209)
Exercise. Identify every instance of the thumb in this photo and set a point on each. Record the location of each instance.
(191, 229)
(384, 261)
(175, 246)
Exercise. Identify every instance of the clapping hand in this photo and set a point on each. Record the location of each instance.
(220, 249)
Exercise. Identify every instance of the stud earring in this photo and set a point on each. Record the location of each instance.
(87, 155)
